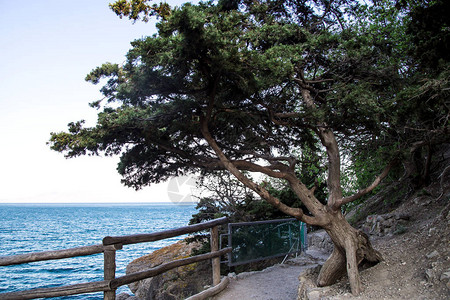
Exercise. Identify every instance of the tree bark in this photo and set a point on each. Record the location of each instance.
(351, 247)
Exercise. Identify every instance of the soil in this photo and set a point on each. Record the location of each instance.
(416, 262)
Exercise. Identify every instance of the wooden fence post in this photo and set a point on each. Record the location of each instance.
(216, 260)
(109, 268)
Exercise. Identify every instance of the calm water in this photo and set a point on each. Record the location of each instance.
(34, 228)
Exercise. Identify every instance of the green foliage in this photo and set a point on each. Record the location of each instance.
(140, 10)
(400, 229)
(429, 28)
(241, 66)
(416, 111)
(363, 167)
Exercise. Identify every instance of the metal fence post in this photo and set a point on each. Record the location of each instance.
(305, 236)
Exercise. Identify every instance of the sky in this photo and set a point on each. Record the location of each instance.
(47, 48)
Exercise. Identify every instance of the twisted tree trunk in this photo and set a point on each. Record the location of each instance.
(351, 247)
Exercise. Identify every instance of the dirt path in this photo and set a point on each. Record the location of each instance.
(282, 283)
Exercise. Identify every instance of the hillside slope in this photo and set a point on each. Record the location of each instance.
(416, 263)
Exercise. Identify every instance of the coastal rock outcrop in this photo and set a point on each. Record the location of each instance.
(178, 283)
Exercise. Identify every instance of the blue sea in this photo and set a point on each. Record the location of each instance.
(26, 228)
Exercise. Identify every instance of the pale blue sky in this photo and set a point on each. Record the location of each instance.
(47, 47)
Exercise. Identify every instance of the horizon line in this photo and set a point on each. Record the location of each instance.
(77, 203)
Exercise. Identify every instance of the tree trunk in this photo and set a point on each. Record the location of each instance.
(351, 247)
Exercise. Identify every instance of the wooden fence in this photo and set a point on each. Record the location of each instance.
(109, 247)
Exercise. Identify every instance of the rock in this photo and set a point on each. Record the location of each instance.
(388, 230)
(365, 229)
(432, 254)
(430, 274)
(379, 228)
(307, 289)
(125, 296)
(174, 284)
(422, 200)
(380, 219)
(445, 275)
(389, 222)
(445, 278)
(431, 231)
(313, 295)
(371, 219)
(386, 224)
(320, 240)
(307, 284)
(402, 217)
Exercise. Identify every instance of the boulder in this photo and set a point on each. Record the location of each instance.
(307, 288)
(320, 240)
(386, 224)
(125, 296)
(445, 278)
(178, 283)
(432, 254)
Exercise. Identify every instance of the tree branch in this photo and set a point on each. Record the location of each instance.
(328, 140)
(319, 81)
(261, 191)
(368, 189)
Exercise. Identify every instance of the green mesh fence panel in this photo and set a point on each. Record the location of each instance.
(254, 241)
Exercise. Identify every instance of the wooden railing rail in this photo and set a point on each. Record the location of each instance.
(51, 255)
(109, 247)
(67, 290)
(161, 235)
(127, 279)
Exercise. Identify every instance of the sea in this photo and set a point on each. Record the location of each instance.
(26, 228)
